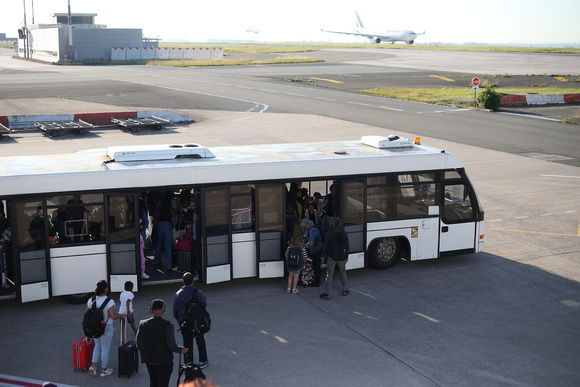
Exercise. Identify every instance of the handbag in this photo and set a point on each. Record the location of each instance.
(185, 242)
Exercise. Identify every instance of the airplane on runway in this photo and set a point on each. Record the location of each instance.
(377, 36)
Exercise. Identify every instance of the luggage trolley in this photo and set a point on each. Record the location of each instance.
(55, 128)
(4, 130)
(133, 124)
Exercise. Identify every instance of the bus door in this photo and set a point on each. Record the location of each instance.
(123, 233)
(458, 220)
(353, 210)
(31, 271)
(216, 241)
(270, 220)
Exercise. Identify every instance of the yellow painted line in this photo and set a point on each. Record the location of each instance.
(562, 79)
(327, 80)
(445, 79)
(535, 232)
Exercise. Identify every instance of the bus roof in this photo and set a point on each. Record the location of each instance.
(95, 170)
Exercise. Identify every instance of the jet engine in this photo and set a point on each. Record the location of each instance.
(375, 39)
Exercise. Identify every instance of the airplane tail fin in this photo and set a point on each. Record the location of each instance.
(359, 22)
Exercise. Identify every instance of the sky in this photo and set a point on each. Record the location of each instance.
(521, 22)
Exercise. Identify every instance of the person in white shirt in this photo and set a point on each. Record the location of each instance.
(126, 307)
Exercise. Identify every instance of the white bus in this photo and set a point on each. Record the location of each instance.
(397, 198)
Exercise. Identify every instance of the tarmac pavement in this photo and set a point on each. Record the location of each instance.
(507, 316)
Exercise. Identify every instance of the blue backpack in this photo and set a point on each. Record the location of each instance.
(294, 258)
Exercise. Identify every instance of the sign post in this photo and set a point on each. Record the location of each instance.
(475, 83)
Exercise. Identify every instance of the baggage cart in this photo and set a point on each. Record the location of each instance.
(55, 128)
(4, 130)
(134, 124)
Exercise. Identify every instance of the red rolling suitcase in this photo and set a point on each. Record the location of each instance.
(83, 353)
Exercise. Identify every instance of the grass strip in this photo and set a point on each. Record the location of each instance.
(454, 95)
(230, 62)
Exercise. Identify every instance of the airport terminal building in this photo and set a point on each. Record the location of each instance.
(90, 42)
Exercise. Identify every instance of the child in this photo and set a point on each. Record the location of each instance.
(295, 257)
(126, 307)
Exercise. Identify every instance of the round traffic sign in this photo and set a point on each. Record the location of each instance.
(475, 81)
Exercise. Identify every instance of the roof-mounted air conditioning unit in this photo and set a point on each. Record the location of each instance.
(392, 141)
(157, 152)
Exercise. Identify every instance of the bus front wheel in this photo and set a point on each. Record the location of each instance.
(385, 253)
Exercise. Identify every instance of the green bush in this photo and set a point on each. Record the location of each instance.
(489, 99)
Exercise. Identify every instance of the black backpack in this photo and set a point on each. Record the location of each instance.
(294, 258)
(340, 252)
(189, 372)
(94, 323)
(197, 319)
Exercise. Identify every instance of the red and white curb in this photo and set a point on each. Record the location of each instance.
(538, 99)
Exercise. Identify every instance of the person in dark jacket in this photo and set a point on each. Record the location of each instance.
(333, 258)
(180, 307)
(156, 343)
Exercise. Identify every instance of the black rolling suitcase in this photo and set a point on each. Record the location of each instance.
(128, 356)
(184, 259)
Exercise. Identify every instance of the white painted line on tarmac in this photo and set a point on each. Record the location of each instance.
(571, 303)
(567, 177)
(570, 212)
(364, 294)
(242, 119)
(390, 108)
(530, 116)
(496, 220)
(245, 87)
(296, 95)
(222, 84)
(427, 317)
(546, 214)
(269, 91)
(326, 99)
(364, 315)
(357, 103)
(522, 217)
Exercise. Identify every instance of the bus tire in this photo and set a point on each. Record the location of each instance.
(385, 253)
(76, 299)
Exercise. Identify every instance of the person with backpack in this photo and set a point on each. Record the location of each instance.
(314, 247)
(335, 252)
(100, 326)
(295, 257)
(181, 305)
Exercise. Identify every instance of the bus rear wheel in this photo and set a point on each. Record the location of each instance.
(385, 253)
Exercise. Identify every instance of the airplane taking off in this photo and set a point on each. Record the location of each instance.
(253, 30)
(377, 36)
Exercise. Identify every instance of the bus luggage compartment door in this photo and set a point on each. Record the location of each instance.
(76, 269)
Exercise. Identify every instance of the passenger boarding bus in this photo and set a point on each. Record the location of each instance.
(75, 217)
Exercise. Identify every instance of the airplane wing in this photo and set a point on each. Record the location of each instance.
(358, 33)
